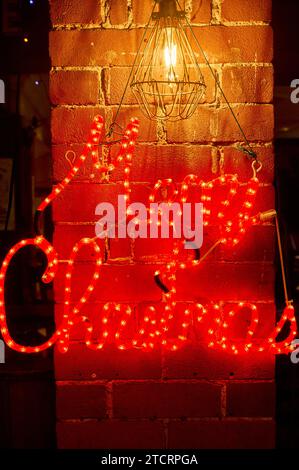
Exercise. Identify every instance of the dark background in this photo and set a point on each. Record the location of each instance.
(286, 66)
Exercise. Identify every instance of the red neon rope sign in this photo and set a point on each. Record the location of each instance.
(156, 326)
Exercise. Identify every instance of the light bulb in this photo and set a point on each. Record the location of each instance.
(167, 80)
(170, 55)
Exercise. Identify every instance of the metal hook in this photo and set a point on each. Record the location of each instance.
(66, 156)
(256, 169)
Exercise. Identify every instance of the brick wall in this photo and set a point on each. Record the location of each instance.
(195, 397)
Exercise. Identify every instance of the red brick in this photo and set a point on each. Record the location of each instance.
(63, 156)
(221, 44)
(200, 362)
(165, 399)
(265, 199)
(225, 434)
(74, 87)
(257, 122)
(201, 11)
(248, 84)
(77, 203)
(68, 207)
(118, 11)
(94, 47)
(259, 244)
(208, 125)
(246, 10)
(129, 283)
(147, 128)
(230, 45)
(140, 193)
(119, 248)
(153, 250)
(226, 281)
(142, 11)
(80, 363)
(72, 125)
(251, 399)
(110, 435)
(211, 88)
(66, 236)
(236, 162)
(66, 12)
(120, 75)
(154, 162)
(80, 400)
(194, 129)
(123, 282)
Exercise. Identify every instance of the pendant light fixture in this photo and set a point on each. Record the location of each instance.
(167, 82)
(165, 77)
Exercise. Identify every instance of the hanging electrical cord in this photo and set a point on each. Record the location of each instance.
(248, 151)
(282, 264)
(267, 217)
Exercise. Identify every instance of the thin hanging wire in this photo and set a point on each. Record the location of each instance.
(250, 150)
(283, 269)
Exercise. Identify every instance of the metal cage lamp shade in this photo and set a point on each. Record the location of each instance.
(167, 80)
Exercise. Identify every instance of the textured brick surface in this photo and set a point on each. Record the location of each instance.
(251, 399)
(218, 125)
(246, 10)
(85, 47)
(80, 400)
(110, 435)
(226, 434)
(196, 397)
(81, 363)
(119, 76)
(74, 87)
(235, 163)
(168, 400)
(118, 11)
(72, 125)
(123, 283)
(201, 11)
(248, 84)
(66, 11)
(142, 12)
(235, 44)
(200, 362)
(216, 281)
